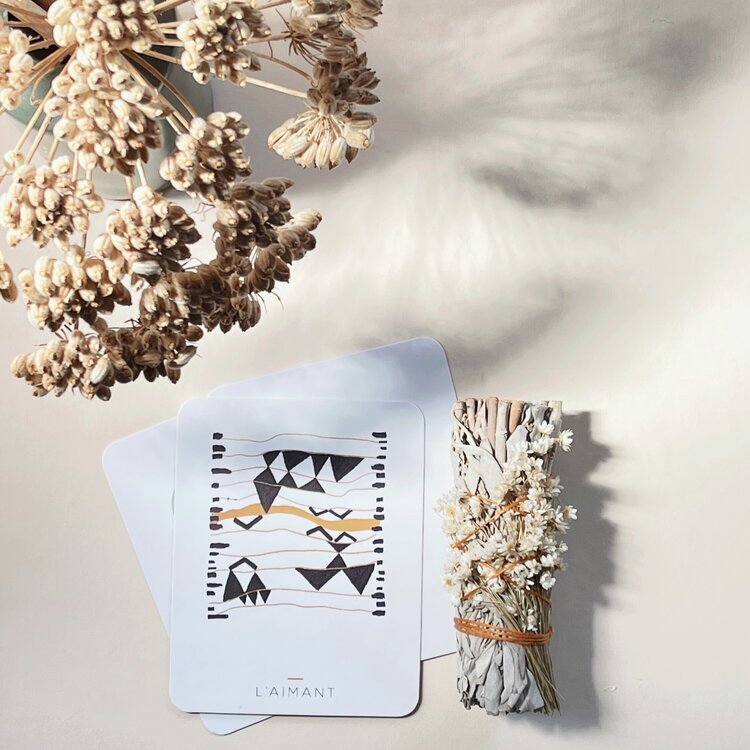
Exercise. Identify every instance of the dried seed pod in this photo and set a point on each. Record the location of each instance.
(215, 41)
(46, 203)
(8, 289)
(16, 66)
(147, 236)
(209, 159)
(331, 130)
(102, 26)
(66, 291)
(106, 117)
(65, 363)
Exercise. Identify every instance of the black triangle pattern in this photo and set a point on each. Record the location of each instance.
(268, 487)
(358, 575)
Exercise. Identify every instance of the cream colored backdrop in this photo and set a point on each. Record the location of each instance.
(559, 194)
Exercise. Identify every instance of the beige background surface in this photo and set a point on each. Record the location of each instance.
(560, 195)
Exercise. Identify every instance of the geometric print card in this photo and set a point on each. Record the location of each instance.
(297, 560)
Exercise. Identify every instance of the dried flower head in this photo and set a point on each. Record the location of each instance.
(209, 158)
(65, 291)
(109, 119)
(102, 26)
(78, 361)
(111, 103)
(15, 65)
(331, 129)
(47, 203)
(215, 41)
(147, 236)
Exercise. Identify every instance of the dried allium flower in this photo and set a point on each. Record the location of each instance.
(209, 159)
(64, 291)
(46, 203)
(15, 65)
(216, 38)
(147, 236)
(101, 26)
(330, 129)
(77, 362)
(106, 117)
(8, 289)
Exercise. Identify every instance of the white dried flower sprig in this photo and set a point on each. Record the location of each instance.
(522, 540)
(110, 105)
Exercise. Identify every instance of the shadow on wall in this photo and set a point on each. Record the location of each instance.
(582, 588)
(554, 104)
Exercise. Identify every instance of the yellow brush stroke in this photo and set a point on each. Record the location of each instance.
(342, 524)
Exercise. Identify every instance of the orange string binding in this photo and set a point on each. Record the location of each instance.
(494, 632)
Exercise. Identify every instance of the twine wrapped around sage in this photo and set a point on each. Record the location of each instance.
(504, 523)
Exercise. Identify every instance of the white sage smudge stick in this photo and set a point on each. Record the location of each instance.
(504, 523)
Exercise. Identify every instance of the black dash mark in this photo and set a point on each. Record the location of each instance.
(378, 550)
(214, 585)
(215, 527)
(218, 436)
(218, 470)
(212, 574)
(216, 509)
(378, 485)
(377, 613)
(219, 545)
(219, 449)
(380, 475)
(379, 509)
(215, 486)
(379, 434)
(377, 528)
(223, 617)
(378, 467)
(210, 593)
(217, 455)
(380, 604)
(378, 595)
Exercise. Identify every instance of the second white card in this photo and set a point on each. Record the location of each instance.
(297, 557)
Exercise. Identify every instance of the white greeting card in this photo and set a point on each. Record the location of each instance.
(415, 370)
(297, 557)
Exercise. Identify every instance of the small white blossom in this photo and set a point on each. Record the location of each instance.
(565, 439)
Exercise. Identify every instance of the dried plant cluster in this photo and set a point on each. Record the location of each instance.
(504, 522)
(109, 103)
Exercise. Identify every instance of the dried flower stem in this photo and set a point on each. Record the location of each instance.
(32, 122)
(165, 81)
(286, 64)
(273, 4)
(35, 145)
(275, 87)
(168, 5)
